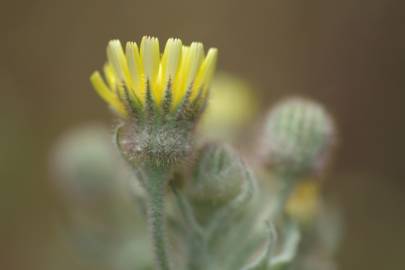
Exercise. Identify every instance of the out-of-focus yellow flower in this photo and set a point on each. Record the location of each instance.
(138, 77)
(231, 108)
(303, 204)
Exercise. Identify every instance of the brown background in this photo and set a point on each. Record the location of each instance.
(348, 54)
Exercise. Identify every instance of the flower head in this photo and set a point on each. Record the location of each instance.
(140, 78)
(158, 96)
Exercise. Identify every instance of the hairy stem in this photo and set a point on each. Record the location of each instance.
(155, 186)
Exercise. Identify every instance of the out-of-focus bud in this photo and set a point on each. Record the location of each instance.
(304, 203)
(217, 176)
(298, 137)
(101, 220)
(84, 162)
(231, 108)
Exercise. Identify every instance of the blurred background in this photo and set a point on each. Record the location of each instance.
(347, 54)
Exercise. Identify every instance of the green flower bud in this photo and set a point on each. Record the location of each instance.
(298, 137)
(217, 176)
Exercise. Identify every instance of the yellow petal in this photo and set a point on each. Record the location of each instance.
(196, 57)
(150, 57)
(135, 69)
(112, 80)
(169, 65)
(116, 58)
(178, 82)
(106, 94)
(110, 76)
(191, 60)
(205, 73)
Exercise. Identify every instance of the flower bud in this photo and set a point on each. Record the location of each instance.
(84, 165)
(298, 137)
(158, 143)
(217, 176)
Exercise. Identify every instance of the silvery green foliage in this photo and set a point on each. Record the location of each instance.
(320, 241)
(216, 210)
(225, 229)
(103, 227)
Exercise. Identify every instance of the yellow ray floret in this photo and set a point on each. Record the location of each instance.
(185, 71)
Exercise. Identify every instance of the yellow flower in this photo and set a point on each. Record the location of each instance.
(303, 204)
(231, 110)
(140, 76)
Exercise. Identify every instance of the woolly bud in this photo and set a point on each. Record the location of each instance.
(217, 176)
(298, 137)
(83, 164)
(159, 143)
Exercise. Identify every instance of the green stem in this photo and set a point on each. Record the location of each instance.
(155, 185)
(281, 201)
(187, 212)
(287, 185)
(197, 248)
